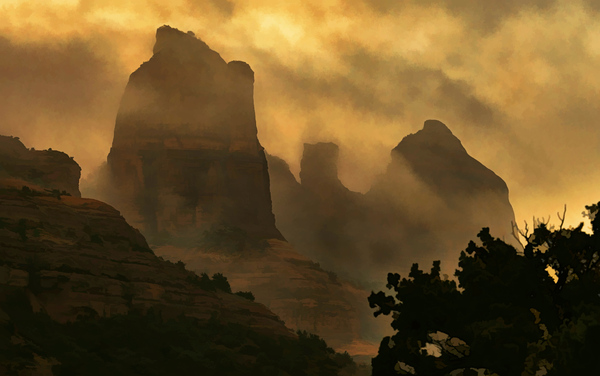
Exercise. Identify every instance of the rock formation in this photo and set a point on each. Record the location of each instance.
(430, 202)
(321, 215)
(185, 153)
(77, 261)
(187, 164)
(77, 255)
(48, 169)
(471, 193)
(319, 168)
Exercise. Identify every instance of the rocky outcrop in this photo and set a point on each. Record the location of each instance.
(48, 169)
(185, 154)
(78, 256)
(319, 168)
(433, 198)
(78, 261)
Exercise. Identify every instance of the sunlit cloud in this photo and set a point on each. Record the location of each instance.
(516, 81)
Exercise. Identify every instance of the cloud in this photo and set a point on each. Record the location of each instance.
(59, 94)
(484, 15)
(515, 80)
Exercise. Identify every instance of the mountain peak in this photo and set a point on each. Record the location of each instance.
(439, 159)
(186, 126)
(182, 44)
(432, 125)
(434, 134)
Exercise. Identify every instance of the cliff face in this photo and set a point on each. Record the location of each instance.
(79, 262)
(319, 168)
(48, 169)
(74, 256)
(185, 153)
(430, 202)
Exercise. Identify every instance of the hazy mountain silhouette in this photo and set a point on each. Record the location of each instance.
(432, 199)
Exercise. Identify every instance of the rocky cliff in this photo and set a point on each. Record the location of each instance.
(74, 256)
(320, 215)
(190, 172)
(48, 169)
(185, 154)
(430, 202)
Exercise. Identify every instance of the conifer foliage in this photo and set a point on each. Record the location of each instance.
(506, 316)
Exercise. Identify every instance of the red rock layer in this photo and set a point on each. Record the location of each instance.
(75, 256)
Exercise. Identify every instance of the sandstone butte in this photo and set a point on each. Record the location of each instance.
(185, 151)
(429, 203)
(186, 162)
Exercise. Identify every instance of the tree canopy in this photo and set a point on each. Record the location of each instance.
(506, 316)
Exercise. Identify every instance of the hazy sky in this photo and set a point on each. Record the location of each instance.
(517, 81)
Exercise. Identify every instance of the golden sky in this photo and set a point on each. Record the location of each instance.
(517, 81)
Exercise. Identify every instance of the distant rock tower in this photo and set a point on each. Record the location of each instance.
(430, 202)
(185, 154)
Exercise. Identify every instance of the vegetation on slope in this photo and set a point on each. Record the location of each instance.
(148, 345)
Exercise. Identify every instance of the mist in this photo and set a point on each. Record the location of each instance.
(516, 81)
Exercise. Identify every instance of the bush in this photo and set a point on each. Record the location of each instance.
(137, 344)
(506, 316)
(220, 282)
(246, 294)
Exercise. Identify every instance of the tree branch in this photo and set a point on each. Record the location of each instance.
(562, 219)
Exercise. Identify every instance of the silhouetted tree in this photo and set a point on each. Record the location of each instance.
(246, 295)
(507, 316)
(220, 282)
